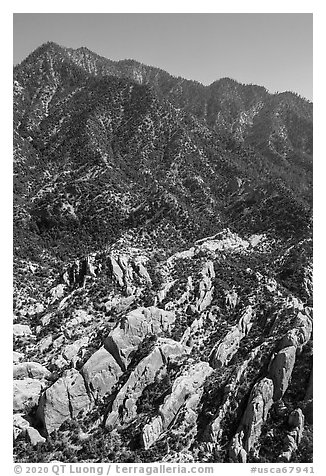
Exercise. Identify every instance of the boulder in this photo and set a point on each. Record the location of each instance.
(101, 372)
(65, 399)
(280, 370)
(31, 370)
(21, 330)
(26, 394)
(124, 407)
(20, 424)
(17, 357)
(131, 331)
(34, 437)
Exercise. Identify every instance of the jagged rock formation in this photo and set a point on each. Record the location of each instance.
(260, 402)
(224, 350)
(126, 337)
(183, 389)
(163, 265)
(124, 405)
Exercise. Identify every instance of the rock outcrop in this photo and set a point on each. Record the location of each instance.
(20, 424)
(21, 330)
(281, 369)
(205, 287)
(184, 387)
(101, 372)
(66, 398)
(34, 437)
(260, 402)
(225, 349)
(131, 331)
(26, 394)
(215, 431)
(124, 406)
(294, 436)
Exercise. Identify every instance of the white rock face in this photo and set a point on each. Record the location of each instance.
(21, 330)
(224, 241)
(225, 349)
(66, 398)
(280, 370)
(101, 373)
(34, 437)
(20, 424)
(184, 387)
(132, 330)
(206, 288)
(124, 407)
(26, 394)
(117, 272)
(17, 357)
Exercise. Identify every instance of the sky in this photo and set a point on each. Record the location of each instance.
(270, 49)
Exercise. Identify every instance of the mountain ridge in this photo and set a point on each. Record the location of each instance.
(162, 266)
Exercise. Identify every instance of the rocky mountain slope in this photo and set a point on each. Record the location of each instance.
(163, 265)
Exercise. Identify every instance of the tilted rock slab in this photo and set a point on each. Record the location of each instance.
(65, 399)
(225, 349)
(206, 288)
(183, 388)
(124, 408)
(117, 272)
(260, 402)
(280, 370)
(131, 331)
(101, 373)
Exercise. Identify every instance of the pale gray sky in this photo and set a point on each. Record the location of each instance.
(270, 49)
